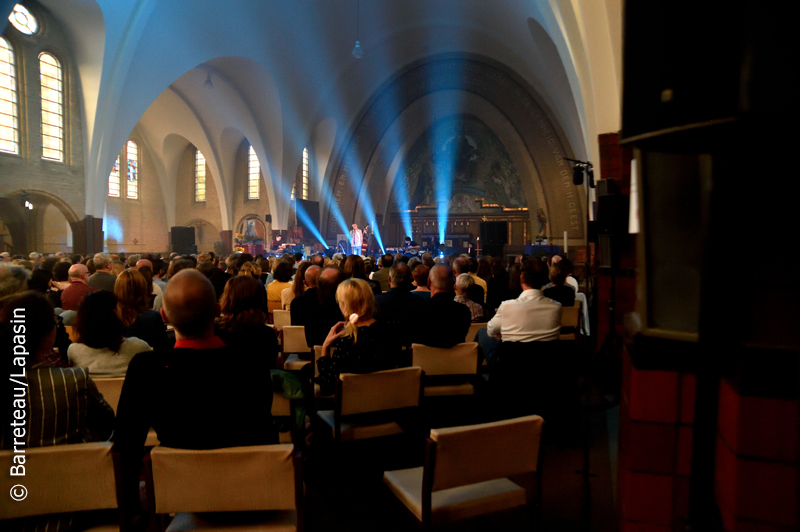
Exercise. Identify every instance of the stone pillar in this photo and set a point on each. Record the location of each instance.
(87, 235)
(227, 241)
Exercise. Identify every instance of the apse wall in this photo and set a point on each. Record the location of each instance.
(242, 206)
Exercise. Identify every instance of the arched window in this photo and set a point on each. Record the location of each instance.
(199, 177)
(113, 180)
(305, 173)
(294, 189)
(9, 111)
(253, 171)
(22, 19)
(52, 108)
(132, 155)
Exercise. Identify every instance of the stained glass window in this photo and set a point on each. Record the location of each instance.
(22, 19)
(113, 180)
(305, 173)
(52, 108)
(9, 112)
(253, 171)
(200, 177)
(133, 170)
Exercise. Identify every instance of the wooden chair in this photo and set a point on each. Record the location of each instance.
(282, 407)
(64, 479)
(317, 392)
(570, 317)
(473, 330)
(367, 405)
(231, 488)
(293, 343)
(281, 318)
(272, 306)
(458, 361)
(467, 470)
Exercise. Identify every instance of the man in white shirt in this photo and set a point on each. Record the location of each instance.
(355, 240)
(529, 318)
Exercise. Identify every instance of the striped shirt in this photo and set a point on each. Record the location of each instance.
(476, 311)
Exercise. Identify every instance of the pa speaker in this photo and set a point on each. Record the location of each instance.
(494, 233)
(268, 218)
(183, 240)
(612, 214)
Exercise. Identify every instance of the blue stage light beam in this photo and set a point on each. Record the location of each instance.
(306, 219)
(401, 198)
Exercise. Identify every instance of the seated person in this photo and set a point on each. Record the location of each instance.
(133, 300)
(463, 284)
(441, 322)
(327, 313)
(182, 393)
(560, 291)
(420, 275)
(241, 324)
(282, 275)
(63, 405)
(100, 346)
(361, 343)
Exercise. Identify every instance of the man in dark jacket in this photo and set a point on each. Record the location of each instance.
(304, 306)
(327, 314)
(442, 322)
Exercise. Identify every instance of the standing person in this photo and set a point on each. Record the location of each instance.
(355, 240)
(102, 278)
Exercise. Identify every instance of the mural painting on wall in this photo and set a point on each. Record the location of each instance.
(469, 154)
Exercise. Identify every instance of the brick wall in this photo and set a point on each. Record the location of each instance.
(188, 210)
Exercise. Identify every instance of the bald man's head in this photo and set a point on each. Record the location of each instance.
(312, 274)
(144, 262)
(190, 304)
(78, 273)
(440, 279)
(327, 283)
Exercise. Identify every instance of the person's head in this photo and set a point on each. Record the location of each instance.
(144, 262)
(61, 271)
(299, 285)
(40, 280)
(298, 257)
(231, 264)
(203, 257)
(460, 265)
(78, 273)
(514, 282)
(472, 263)
(354, 226)
(13, 280)
(133, 295)
(5, 256)
(555, 259)
(567, 267)
(102, 262)
(354, 267)
(251, 269)
(420, 275)
(117, 267)
(355, 297)
(35, 257)
(264, 265)
(485, 269)
(178, 265)
(327, 283)
(463, 283)
(440, 279)
(400, 276)
(190, 305)
(317, 260)
(427, 260)
(498, 270)
(242, 303)
(386, 261)
(311, 276)
(28, 265)
(40, 324)
(148, 276)
(243, 259)
(531, 278)
(557, 275)
(96, 322)
(412, 262)
(48, 263)
(207, 268)
(133, 259)
(407, 239)
(283, 272)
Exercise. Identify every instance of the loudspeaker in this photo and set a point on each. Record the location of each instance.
(182, 239)
(683, 66)
(493, 250)
(268, 218)
(309, 222)
(494, 233)
(612, 214)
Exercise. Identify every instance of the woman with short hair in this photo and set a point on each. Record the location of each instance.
(133, 301)
(241, 324)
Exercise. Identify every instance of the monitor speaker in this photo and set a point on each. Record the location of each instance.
(494, 233)
(182, 239)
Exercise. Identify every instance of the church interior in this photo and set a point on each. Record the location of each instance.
(626, 136)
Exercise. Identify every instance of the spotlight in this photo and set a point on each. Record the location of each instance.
(577, 175)
(28, 205)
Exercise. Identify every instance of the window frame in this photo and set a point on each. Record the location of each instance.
(251, 154)
(64, 107)
(17, 103)
(304, 173)
(138, 187)
(197, 155)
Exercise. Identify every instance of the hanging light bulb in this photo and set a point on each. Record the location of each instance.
(358, 52)
(208, 84)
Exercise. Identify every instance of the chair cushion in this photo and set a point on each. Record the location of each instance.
(353, 430)
(449, 389)
(277, 521)
(294, 363)
(454, 503)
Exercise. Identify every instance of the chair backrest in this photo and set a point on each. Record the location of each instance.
(235, 479)
(492, 450)
(281, 318)
(473, 330)
(570, 315)
(281, 406)
(60, 479)
(461, 359)
(294, 339)
(382, 390)
(272, 306)
(111, 389)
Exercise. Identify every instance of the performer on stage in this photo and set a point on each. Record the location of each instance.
(410, 246)
(355, 240)
(278, 242)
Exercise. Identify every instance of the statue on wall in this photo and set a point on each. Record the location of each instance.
(541, 218)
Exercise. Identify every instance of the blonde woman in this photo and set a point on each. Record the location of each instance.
(358, 345)
(251, 269)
